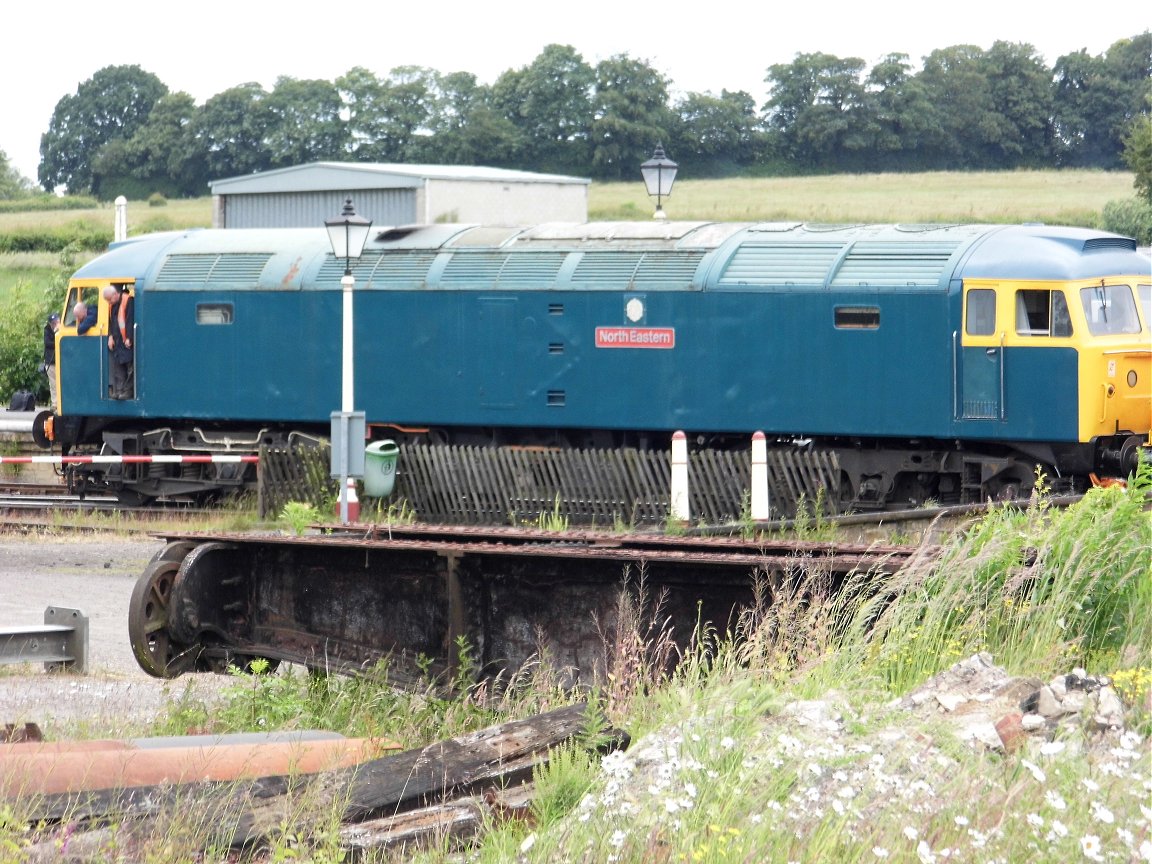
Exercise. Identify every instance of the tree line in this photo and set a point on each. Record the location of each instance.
(124, 132)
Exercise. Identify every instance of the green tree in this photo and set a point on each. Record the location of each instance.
(13, 184)
(1138, 155)
(231, 131)
(466, 127)
(1095, 99)
(1019, 90)
(894, 112)
(716, 135)
(305, 123)
(111, 105)
(161, 157)
(631, 116)
(815, 109)
(959, 104)
(549, 103)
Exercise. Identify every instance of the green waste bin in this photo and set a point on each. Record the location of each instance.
(380, 468)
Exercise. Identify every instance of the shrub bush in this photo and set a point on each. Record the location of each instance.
(157, 200)
(1131, 217)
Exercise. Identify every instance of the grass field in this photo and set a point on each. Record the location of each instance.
(1066, 197)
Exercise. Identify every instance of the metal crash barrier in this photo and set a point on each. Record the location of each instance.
(60, 643)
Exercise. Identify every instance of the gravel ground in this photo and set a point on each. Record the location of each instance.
(95, 575)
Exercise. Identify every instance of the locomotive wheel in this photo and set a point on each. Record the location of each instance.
(153, 647)
(176, 551)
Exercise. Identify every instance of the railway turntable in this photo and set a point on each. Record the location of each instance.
(413, 596)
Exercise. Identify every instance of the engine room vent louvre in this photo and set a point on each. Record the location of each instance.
(671, 268)
(893, 264)
(234, 269)
(783, 264)
(535, 270)
(649, 269)
(481, 268)
(379, 270)
(501, 269)
(1099, 244)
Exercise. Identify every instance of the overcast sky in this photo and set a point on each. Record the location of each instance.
(206, 46)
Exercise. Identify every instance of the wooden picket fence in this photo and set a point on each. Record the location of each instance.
(513, 486)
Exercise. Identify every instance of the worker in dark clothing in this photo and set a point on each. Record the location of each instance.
(120, 341)
(49, 365)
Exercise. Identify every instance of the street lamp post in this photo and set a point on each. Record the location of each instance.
(659, 174)
(348, 233)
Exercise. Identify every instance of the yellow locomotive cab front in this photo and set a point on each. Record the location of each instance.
(1115, 349)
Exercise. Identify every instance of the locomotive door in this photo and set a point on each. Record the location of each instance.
(980, 359)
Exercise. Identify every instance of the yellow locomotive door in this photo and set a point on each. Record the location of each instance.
(980, 381)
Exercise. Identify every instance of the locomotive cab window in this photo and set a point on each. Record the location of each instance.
(857, 317)
(980, 312)
(91, 298)
(1110, 309)
(213, 313)
(1042, 313)
(1144, 292)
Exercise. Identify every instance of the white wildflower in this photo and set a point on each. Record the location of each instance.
(910, 832)
(1035, 770)
(1051, 748)
(1090, 846)
(528, 842)
(961, 821)
(1059, 828)
(924, 853)
(1055, 800)
(1102, 814)
(879, 851)
(1146, 850)
(618, 838)
(1035, 820)
(1090, 785)
(727, 742)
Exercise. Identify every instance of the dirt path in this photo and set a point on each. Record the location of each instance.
(96, 576)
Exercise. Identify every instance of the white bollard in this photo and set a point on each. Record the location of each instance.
(759, 503)
(681, 508)
(120, 227)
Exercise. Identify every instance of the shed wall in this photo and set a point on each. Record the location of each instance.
(503, 203)
(310, 209)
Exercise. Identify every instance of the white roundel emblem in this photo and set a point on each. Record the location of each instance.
(634, 309)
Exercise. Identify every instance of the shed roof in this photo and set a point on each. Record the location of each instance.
(325, 176)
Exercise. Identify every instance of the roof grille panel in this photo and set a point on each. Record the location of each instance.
(472, 268)
(232, 268)
(607, 267)
(781, 264)
(535, 269)
(894, 264)
(673, 269)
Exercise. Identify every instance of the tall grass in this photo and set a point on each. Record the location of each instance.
(1041, 589)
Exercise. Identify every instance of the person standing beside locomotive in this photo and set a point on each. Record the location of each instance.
(49, 366)
(120, 321)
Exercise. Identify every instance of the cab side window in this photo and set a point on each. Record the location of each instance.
(980, 312)
(1042, 313)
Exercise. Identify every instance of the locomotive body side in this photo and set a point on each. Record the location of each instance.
(925, 356)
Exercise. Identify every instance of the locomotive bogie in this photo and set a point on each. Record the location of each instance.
(940, 362)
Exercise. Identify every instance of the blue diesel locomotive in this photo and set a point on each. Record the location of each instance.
(940, 362)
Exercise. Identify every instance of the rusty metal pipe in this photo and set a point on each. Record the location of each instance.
(44, 769)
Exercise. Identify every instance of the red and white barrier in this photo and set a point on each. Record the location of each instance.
(124, 460)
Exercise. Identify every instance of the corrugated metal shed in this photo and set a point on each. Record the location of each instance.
(393, 194)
